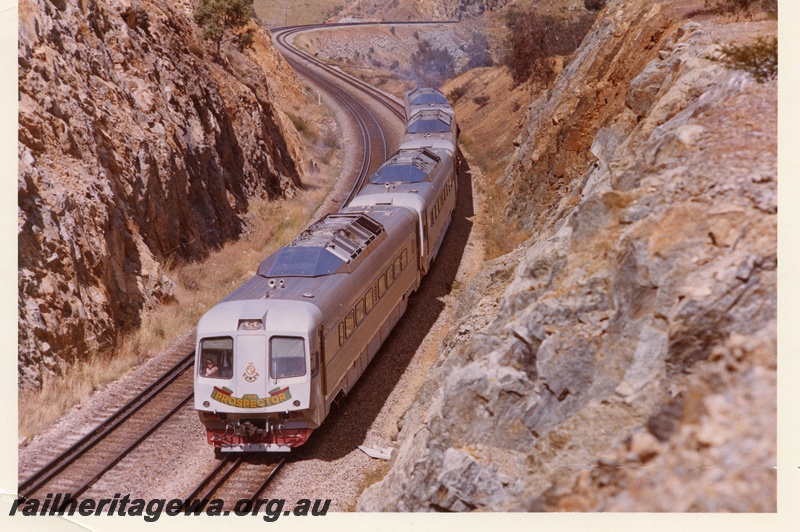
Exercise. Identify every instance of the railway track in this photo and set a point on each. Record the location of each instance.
(75, 470)
(375, 148)
(235, 479)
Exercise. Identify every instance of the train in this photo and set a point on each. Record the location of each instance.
(273, 356)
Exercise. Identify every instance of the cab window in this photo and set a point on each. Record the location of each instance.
(216, 358)
(287, 357)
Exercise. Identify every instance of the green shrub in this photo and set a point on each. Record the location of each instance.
(759, 58)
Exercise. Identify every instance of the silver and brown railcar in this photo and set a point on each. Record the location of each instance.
(431, 129)
(422, 179)
(302, 330)
(425, 98)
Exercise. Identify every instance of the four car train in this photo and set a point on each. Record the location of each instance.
(274, 354)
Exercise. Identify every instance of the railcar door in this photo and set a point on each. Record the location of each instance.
(251, 372)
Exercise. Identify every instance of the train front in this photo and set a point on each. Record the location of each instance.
(255, 367)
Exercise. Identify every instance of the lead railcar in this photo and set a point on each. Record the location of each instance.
(302, 331)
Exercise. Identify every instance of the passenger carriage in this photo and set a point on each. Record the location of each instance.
(422, 179)
(431, 129)
(425, 98)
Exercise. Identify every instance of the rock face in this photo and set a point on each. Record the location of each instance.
(630, 363)
(420, 9)
(134, 148)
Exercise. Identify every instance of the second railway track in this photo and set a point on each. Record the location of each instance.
(76, 469)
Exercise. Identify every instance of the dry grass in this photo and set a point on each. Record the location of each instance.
(39, 409)
(499, 237)
(198, 287)
(374, 474)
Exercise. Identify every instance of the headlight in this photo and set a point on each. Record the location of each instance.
(250, 325)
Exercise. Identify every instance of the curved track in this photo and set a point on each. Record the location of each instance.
(344, 89)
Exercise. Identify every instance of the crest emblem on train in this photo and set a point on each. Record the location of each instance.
(250, 374)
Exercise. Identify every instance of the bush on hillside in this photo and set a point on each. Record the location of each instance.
(759, 58)
(769, 7)
(219, 18)
(432, 65)
(535, 39)
(456, 94)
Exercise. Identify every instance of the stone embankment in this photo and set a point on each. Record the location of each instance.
(629, 363)
(417, 10)
(134, 148)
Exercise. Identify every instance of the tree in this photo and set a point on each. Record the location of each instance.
(432, 65)
(536, 38)
(218, 17)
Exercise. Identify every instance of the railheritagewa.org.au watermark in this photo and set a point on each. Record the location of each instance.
(60, 504)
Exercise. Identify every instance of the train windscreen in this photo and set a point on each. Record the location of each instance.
(287, 357)
(216, 358)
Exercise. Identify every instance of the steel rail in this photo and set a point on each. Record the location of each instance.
(216, 479)
(57, 465)
(282, 33)
(122, 454)
(351, 104)
(210, 476)
(267, 480)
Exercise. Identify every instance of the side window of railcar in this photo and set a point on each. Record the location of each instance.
(397, 268)
(216, 358)
(381, 285)
(349, 323)
(389, 276)
(342, 335)
(360, 310)
(404, 259)
(370, 298)
(287, 357)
